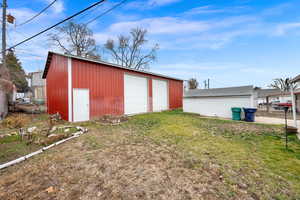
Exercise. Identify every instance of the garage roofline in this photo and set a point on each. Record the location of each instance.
(234, 95)
(50, 54)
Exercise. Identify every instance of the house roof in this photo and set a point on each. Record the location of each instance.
(262, 93)
(296, 79)
(50, 54)
(220, 92)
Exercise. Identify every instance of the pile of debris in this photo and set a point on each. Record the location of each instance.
(51, 141)
(112, 119)
(45, 136)
(29, 108)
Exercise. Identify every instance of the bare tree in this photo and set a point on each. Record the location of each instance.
(129, 51)
(75, 39)
(283, 84)
(193, 83)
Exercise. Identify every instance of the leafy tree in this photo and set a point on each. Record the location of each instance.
(193, 83)
(129, 51)
(75, 39)
(283, 84)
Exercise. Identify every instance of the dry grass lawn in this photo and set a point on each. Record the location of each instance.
(169, 155)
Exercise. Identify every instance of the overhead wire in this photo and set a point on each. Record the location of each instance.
(105, 12)
(53, 26)
(38, 14)
(89, 13)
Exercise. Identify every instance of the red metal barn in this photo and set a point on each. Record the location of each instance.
(80, 89)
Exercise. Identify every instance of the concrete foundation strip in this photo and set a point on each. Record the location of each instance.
(23, 158)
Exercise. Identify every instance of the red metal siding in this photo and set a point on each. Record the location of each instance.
(106, 85)
(57, 86)
(175, 94)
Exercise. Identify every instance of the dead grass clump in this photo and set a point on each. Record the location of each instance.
(15, 121)
(112, 119)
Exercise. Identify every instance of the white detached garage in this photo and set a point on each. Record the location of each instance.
(218, 101)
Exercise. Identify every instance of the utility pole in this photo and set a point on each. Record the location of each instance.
(4, 5)
(207, 83)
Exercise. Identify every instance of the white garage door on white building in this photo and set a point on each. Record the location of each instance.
(135, 94)
(160, 95)
(218, 101)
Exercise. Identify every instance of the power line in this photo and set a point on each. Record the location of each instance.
(89, 13)
(51, 27)
(30, 19)
(107, 11)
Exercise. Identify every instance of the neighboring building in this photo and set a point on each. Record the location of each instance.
(268, 98)
(80, 89)
(264, 96)
(37, 86)
(219, 101)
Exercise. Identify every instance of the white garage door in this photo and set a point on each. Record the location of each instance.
(160, 95)
(215, 106)
(135, 94)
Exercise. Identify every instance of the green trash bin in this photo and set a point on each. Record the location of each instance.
(236, 113)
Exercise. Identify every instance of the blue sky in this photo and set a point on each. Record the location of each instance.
(236, 42)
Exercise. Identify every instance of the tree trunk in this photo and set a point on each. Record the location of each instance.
(3, 104)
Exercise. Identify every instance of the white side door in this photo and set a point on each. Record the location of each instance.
(135, 94)
(81, 104)
(160, 95)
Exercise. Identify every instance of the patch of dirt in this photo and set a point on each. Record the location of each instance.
(120, 166)
(112, 119)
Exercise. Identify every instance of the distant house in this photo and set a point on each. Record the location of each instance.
(37, 85)
(296, 80)
(268, 97)
(219, 101)
(265, 96)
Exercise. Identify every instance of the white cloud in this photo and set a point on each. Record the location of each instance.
(203, 10)
(179, 33)
(150, 4)
(283, 29)
(21, 13)
(162, 25)
(277, 10)
(57, 7)
(161, 2)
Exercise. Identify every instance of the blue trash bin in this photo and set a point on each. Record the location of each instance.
(250, 114)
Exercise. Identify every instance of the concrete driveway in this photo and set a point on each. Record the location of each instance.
(271, 120)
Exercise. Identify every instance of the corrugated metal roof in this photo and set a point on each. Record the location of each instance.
(50, 53)
(220, 92)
